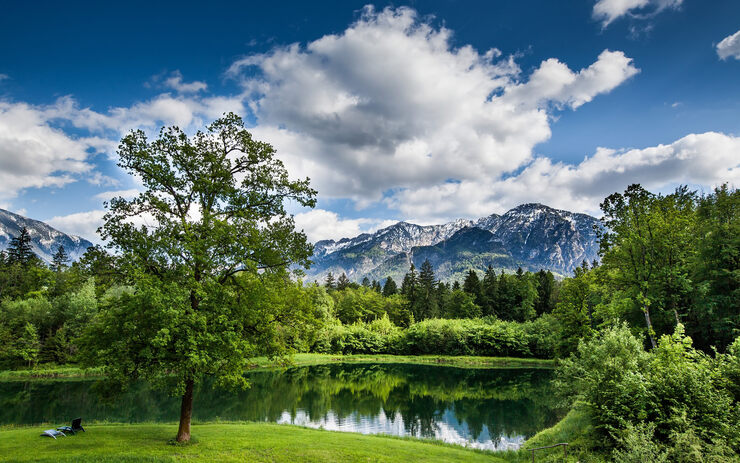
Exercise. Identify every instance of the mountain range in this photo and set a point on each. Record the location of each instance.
(45, 240)
(531, 236)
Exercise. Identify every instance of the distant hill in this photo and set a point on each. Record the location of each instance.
(45, 239)
(532, 236)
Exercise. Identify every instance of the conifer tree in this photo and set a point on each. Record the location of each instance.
(409, 287)
(366, 282)
(20, 251)
(489, 288)
(343, 282)
(329, 283)
(471, 285)
(426, 304)
(545, 289)
(60, 259)
(390, 288)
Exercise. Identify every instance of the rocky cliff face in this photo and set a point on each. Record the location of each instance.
(45, 240)
(532, 236)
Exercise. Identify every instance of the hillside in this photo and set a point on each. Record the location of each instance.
(45, 240)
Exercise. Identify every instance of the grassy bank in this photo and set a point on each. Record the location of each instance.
(446, 360)
(305, 360)
(50, 372)
(257, 442)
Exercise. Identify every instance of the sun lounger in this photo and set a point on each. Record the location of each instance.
(52, 433)
(75, 428)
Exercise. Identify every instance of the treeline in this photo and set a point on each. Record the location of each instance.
(518, 297)
(45, 308)
(665, 260)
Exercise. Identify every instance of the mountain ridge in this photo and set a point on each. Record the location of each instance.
(531, 235)
(45, 239)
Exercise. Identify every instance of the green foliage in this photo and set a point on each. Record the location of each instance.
(459, 304)
(492, 338)
(669, 402)
(576, 309)
(216, 203)
(714, 319)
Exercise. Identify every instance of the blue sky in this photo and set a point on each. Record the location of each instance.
(421, 111)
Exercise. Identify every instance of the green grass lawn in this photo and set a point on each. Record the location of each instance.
(242, 442)
(71, 371)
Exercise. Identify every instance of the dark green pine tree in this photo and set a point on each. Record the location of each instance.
(506, 304)
(376, 286)
(20, 251)
(390, 288)
(456, 286)
(443, 293)
(471, 285)
(489, 288)
(329, 282)
(545, 290)
(60, 259)
(426, 304)
(409, 287)
(342, 282)
(366, 282)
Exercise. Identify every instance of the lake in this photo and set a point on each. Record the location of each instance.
(495, 409)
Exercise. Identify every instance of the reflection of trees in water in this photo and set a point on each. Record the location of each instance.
(507, 402)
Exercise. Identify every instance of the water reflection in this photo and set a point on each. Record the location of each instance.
(492, 409)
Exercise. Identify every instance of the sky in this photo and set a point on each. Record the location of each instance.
(425, 111)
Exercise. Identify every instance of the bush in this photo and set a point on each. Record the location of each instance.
(672, 403)
(440, 337)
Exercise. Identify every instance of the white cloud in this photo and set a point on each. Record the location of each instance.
(608, 11)
(320, 224)
(127, 194)
(389, 103)
(175, 82)
(706, 159)
(33, 154)
(84, 224)
(554, 82)
(4, 76)
(729, 47)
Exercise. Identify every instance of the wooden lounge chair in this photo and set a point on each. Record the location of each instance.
(74, 429)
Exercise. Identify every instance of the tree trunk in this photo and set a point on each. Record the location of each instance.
(186, 411)
(678, 320)
(646, 311)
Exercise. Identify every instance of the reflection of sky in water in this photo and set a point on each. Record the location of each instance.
(446, 428)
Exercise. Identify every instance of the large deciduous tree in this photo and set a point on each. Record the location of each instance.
(647, 245)
(210, 222)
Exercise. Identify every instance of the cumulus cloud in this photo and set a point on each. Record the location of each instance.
(127, 194)
(729, 47)
(608, 11)
(84, 224)
(700, 159)
(320, 224)
(33, 154)
(389, 103)
(176, 82)
(387, 111)
(554, 82)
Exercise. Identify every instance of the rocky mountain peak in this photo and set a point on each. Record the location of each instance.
(45, 240)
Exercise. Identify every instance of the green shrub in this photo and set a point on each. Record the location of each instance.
(672, 403)
(440, 337)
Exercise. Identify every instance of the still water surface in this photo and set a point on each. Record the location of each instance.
(493, 409)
